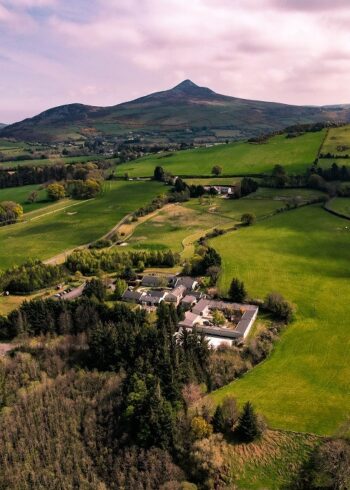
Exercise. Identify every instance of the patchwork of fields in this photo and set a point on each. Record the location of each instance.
(303, 254)
(296, 154)
(69, 228)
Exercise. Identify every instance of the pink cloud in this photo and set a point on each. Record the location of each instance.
(284, 50)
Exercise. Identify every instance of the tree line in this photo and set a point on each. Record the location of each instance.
(25, 175)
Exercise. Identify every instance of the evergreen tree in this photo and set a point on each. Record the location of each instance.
(219, 423)
(237, 291)
(248, 427)
(159, 174)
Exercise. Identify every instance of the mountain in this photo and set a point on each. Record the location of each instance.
(186, 110)
(2, 125)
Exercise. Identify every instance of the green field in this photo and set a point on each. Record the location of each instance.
(303, 254)
(20, 195)
(340, 205)
(80, 224)
(295, 154)
(337, 141)
(50, 161)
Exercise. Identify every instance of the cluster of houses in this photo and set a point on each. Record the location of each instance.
(154, 289)
(199, 310)
(221, 190)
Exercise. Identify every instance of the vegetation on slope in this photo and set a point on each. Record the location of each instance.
(241, 158)
(304, 255)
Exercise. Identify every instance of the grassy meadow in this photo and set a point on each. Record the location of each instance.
(303, 254)
(20, 195)
(341, 205)
(337, 141)
(296, 154)
(179, 225)
(73, 226)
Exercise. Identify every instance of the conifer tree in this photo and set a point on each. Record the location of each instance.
(219, 423)
(237, 291)
(248, 427)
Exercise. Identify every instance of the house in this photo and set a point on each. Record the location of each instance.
(153, 298)
(191, 320)
(188, 301)
(132, 295)
(247, 314)
(175, 295)
(202, 308)
(156, 281)
(189, 282)
(151, 281)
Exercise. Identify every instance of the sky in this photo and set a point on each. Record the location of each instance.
(103, 52)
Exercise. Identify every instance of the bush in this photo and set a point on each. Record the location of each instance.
(55, 192)
(279, 307)
(248, 219)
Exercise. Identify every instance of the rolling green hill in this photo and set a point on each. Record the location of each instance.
(187, 108)
(295, 154)
(303, 254)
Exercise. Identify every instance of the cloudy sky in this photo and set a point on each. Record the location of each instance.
(102, 52)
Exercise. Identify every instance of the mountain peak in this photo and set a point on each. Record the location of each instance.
(186, 84)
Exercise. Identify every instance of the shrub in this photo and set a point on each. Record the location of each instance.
(279, 307)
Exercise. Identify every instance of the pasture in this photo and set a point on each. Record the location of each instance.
(337, 141)
(54, 159)
(295, 154)
(68, 228)
(304, 254)
(20, 195)
(340, 205)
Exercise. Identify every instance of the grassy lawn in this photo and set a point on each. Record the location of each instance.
(183, 224)
(68, 228)
(337, 141)
(20, 195)
(170, 227)
(274, 462)
(296, 154)
(50, 161)
(303, 254)
(340, 205)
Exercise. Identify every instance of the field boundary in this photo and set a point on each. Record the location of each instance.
(332, 211)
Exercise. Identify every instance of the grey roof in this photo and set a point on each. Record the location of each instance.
(245, 321)
(188, 282)
(151, 281)
(189, 298)
(132, 295)
(190, 319)
(178, 291)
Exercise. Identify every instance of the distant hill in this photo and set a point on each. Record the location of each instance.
(185, 111)
(2, 125)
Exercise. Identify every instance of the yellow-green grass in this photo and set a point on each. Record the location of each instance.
(20, 195)
(340, 205)
(296, 154)
(56, 232)
(303, 254)
(302, 195)
(233, 209)
(337, 141)
(170, 227)
(273, 462)
(179, 227)
(50, 161)
(328, 162)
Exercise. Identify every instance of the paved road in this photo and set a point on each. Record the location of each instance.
(75, 293)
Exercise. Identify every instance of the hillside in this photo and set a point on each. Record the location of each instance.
(184, 112)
